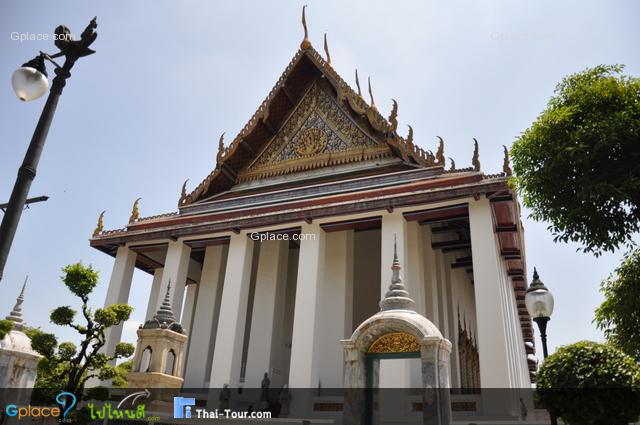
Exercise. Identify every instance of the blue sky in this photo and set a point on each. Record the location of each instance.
(145, 112)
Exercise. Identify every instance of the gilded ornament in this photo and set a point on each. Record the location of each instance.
(326, 49)
(221, 150)
(358, 84)
(312, 141)
(440, 152)
(306, 44)
(453, 164)
(183, 193)
(396, 342)
(135, 211)
(100, 226)
(410, 137)
(506, 169)
(393, 117)
(373, 102)
(476, 156)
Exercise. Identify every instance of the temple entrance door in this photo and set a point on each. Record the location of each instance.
(374, 394)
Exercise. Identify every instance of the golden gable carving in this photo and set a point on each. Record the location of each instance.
(396, 342)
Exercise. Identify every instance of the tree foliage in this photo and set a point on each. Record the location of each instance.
(5, 328)
(588, 383)
(66, 366)
(578, 165)
(619, 314)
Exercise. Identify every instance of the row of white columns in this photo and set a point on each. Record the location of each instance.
(217, 312)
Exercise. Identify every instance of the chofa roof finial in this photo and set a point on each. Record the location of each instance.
(373, 102)
(220, 153)
(476, 156)
(326, 49)
(506, 169)
(358, 84)
(306, 44)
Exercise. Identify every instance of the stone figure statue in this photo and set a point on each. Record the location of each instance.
(284, 398)
(264, 396)
(225, 395)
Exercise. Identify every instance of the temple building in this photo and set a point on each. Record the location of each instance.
(285, 248)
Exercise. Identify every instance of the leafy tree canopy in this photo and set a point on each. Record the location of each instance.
(619, 314)
(5, 327)
(588, 383)
(66, 366)
(578, 165)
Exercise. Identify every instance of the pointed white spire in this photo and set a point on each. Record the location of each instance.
(164, 317)
(16, 314)
(397, 297)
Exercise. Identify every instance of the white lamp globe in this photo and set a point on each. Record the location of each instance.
(538, 299)
(29, 83)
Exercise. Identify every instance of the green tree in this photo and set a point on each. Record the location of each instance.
(588, 383)
(578, 165)
(66, 366)
(619, 315)
(5, 328)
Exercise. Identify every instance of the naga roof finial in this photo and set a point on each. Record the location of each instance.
(373, 102)
(506, 169)
(410, 137)
(440, 152)
(476, 156)
(135, 211)
(220, 149)
(326, 49)
(453, 164)
(393, 117)
(306, 44)
(183, 193)
(358, 84)
(100, 226)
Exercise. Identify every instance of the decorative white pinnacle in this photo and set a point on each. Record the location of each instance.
(397, 297)
(16, 314)
(164, 317)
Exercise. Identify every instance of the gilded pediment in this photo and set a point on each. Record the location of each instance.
(317, 133)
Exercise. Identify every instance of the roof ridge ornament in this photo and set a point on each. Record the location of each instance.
(453, 164)
(358, 84)
(100, 226)
(397, 297)
(16, 313)
(221, 149)
(373, 102)
(506, 169)
(135, 211)
(393, 117)
(326, 49)
(476, 155)
(440, 152)
(183, 193)
(306, 44)
(410, 138)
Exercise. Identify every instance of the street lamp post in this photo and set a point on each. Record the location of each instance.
(539, 302)
(30, 82)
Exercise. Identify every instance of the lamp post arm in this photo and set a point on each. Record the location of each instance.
(72, 51)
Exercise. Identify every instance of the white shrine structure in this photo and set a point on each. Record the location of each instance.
(283, 250)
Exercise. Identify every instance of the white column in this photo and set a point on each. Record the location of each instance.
(492, 329)
(270, 289)
(189, 306)
(118, 292)
(304, 354)
(205, 317)
(393, 223)
(152, 306)
(431, 277)
(414, 267)
(227, 355)
(176, 266)
(336, 312)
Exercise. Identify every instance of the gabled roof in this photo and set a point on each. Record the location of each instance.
(306, 68)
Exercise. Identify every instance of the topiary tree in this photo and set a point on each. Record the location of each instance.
(578, 165)
(619, 315)
(66, 366)
(588, 383)
(5, 328)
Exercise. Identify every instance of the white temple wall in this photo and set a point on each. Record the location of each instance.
(430, 278)
(366, 275)
(206, 314)
(176, 267)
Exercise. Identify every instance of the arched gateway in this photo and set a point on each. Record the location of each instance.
(396, 331)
